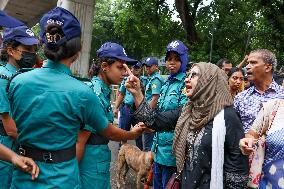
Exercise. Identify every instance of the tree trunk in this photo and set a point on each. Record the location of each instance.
(188, 19)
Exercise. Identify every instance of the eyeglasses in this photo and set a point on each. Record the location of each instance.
(192, 75)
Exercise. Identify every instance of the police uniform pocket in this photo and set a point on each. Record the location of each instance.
(172, 100)
(103, 167)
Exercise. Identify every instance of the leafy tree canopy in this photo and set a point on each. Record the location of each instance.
(232, 27)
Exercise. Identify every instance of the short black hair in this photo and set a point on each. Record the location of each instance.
(235, 69)
(223, 61)
(4, 54)
(96, 65)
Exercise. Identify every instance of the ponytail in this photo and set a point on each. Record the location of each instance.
(58, 48)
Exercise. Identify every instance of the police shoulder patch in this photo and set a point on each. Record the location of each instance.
(2, 76)
(154, 86)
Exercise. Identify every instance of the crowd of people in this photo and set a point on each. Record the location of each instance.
(204, 124)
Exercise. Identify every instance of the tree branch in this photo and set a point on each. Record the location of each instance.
(188, 21)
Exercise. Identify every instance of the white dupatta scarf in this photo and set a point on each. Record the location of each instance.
(218, 140)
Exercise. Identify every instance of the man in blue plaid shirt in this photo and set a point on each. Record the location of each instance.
(260, 66)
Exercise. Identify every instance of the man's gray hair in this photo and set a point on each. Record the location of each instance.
(267, 56)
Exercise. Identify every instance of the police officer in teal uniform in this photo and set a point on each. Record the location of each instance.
(144, 80)
(3, 57)
(171, 97)
(125, 104)
(49, 106)
(9, 22)
(105, 71)
(152, 92)
(19, 47)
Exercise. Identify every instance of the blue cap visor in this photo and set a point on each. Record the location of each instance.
(138, 65)
(126, 59)
(27, 40)
(150, 63)
(168, 53)
(8, 21)
(147, 63)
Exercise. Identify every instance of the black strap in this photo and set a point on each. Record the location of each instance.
(22, 70)
(84, 79)
(96, 139)
(48, 156)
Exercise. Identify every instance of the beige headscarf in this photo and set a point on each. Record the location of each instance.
(209, 97)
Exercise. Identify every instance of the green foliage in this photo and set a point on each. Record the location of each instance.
(145, 27)
(103, 25)
(40, 52)
(142, 28)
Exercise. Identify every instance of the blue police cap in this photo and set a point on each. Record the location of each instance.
(180, 48)
(9, 21)
(138, 65)
(151, 61)
(21, 34)
(65, 19)
(114, 50)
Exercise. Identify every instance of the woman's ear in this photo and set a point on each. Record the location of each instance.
(104, 66)
(10, 51)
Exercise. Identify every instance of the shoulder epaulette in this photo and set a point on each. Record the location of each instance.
(159, 77)
(23, 70)
(84, 79)
(2, 76)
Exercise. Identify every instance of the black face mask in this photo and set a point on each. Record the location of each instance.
(28, 60)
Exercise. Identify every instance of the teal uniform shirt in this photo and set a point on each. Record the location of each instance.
(5, 70)
(103, 92)
(6, 168)
(144, 80)
(2, 63)
(49, 106)
(95, 164)
(128, 98)
(172, 96)
(153, 86)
